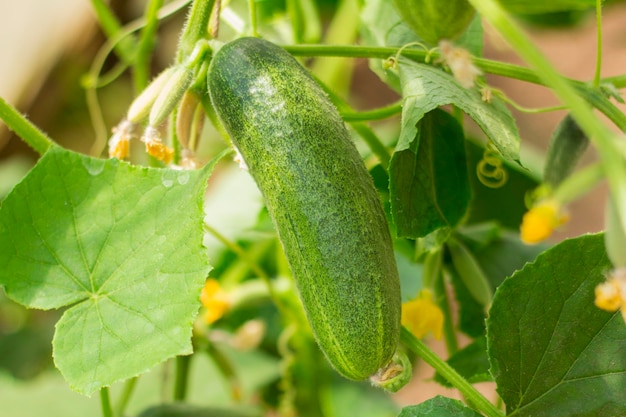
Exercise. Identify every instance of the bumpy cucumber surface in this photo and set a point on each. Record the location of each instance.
(321, 197)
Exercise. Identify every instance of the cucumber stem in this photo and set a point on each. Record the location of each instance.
(375, 114)
(22, 127)
(122, 402)
(105, 402)
(588, 93)
(473, 397)
(182, 377)
(598, 73)
(147, 41)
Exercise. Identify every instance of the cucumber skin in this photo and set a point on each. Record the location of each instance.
(321, 197)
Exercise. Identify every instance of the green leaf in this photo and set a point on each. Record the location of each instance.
(439, 407)
(539, 7)
(552, 352)
(429, 188)
(121, 247)
(425, 88)
(471, 363)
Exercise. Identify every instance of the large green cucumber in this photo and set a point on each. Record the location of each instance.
(321, 197)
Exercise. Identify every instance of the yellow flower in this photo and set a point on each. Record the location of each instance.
(422, 315)
(119, 141)
(160, 151)
(540, 221)
(215, 301)
(155, 147)
(611, 295)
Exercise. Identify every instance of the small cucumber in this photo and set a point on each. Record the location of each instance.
(435, 20)
(567, 145)
(321, 198)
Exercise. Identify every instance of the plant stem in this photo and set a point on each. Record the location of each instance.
(181, 378)
(196, 27)
(441, 295)
(599, 134)
(141, 66)
(227, 369)
(473, 396)
(375, 114)
(129, 387)
(253, 19)
(579, 183)
(373, 142)
(592, 95)
(111, 27)
(252, 264)
(416, 54)
(105, 402)
(296, 19)
(596, 78)
(23, 128)
(600, 102)
(239, 251)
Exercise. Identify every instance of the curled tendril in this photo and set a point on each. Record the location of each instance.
(392, 61)
(490, 171)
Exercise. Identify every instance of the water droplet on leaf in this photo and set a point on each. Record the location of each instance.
(94, 166)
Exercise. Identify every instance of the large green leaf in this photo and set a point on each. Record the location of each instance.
(538, 7)
(121, 247)
(439, 407)
(425, 88)
(552, 352)
(429, 187)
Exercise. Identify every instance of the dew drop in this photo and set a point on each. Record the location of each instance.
(183, 178)
(167, 178)
(94, 166)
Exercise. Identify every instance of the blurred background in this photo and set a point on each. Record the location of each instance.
(48, 46)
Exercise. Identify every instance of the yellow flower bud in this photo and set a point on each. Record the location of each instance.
(119, 143)
(608, 296)
(215, 301)
(422, 315)
(611, 294)
(540, 221)
(155, 147)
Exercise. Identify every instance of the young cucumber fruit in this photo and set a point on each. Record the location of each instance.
(321, 198)
(434, 20)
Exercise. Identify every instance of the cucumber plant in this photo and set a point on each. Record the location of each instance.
(337, 243)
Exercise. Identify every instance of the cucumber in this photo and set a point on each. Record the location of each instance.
(321, 198)
(567, 145)
(435, 20)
